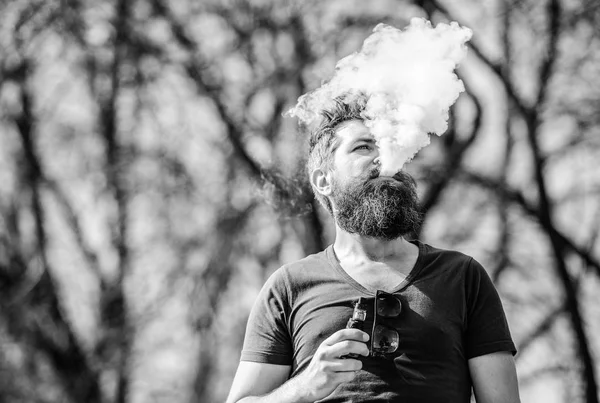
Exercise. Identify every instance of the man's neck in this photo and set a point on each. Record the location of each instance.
(361, 248)
(373, 263)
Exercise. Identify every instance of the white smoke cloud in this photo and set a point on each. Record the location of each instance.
(408, 77)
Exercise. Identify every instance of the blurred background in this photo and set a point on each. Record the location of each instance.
(149, 184)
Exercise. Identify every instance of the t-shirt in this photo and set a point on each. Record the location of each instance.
(451, 312)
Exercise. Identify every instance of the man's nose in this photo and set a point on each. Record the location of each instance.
(376, 154)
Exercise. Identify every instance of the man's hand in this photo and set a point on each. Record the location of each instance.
(327, 370)
(266, 383)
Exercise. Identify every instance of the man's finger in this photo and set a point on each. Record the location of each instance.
(344, 365)
(346, 334)
(346, 347)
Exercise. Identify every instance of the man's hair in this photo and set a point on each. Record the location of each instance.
(322, 139)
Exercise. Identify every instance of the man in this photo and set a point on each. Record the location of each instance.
(434, 327)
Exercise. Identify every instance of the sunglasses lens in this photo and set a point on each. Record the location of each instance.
(388, 306)
(385, 340)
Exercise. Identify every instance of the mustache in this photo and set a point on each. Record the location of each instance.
(400, 176)
(374, 173)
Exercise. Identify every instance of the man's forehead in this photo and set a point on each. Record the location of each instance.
(350, 131)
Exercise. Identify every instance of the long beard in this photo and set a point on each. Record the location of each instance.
(382, 209)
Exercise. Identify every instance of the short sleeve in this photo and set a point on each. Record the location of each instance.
(267, 338)
(487, 329)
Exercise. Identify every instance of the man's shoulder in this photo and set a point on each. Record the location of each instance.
(444, 254)
(306, 267)
(451, 269)
(449, 262)
(315, 259)
(300, 275)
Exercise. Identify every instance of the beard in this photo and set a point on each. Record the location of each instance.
(382, 209)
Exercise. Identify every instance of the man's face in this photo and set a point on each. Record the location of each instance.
(363, 202)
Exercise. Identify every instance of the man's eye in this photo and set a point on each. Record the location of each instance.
(362, 147)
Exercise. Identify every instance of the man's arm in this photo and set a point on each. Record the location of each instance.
(256, 379)
(266, 383)
(495, 378)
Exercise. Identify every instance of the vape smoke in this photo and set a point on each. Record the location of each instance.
(408, 77)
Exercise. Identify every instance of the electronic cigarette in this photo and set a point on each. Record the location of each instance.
(357, 321)
(358, 316)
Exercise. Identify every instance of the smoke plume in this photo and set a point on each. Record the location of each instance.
(408, 77)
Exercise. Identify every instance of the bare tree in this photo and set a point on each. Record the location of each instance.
(149, 182)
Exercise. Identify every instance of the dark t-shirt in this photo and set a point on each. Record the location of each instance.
(451, 312)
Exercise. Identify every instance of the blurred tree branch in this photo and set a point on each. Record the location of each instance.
(213, 280)
(546, 208)
(114, 309)
(502, 251)
(286, 190)
(531, 115)
(519, 199)
(39, 311)
(90, 255)
(560, 244)
(204, 233)
(538, 373)
(474, 45)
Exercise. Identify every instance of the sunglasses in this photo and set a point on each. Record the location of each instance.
(385, 338)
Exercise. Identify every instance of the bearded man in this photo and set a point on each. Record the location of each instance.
(433, 327)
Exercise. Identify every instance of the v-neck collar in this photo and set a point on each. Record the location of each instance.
(412, 275)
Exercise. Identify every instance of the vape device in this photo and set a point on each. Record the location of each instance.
(357, 321)
(358, 316)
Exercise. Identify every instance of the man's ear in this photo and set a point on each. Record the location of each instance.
(321, 181)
